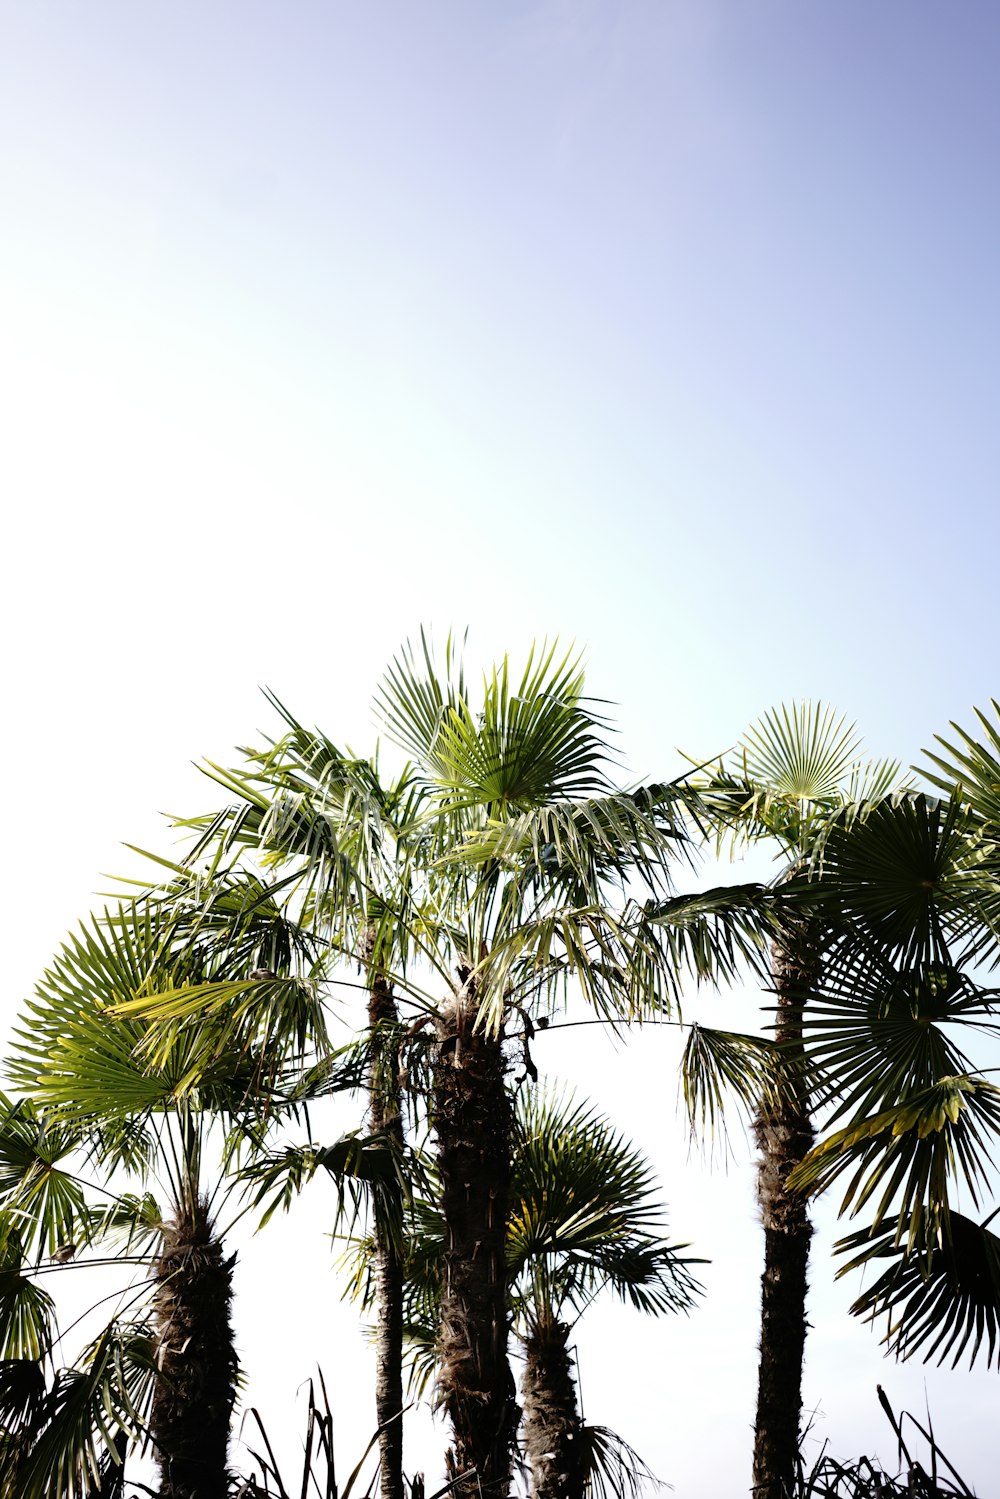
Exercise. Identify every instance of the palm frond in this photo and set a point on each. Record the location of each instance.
(910, 877)
(144, 1006)
(611, 1468)
(620, 962)
(970, 769)
(718, 1064)
(362, 1168)
(46, 1199)
(797, 767)
(273, 1019)
(802, 752)
(586, 1214)
(580, 845)
(27, 1311)
(132, 1223)
(414, 697)
(530, 742)
(909, 1154)
(942, 1302)
(880, 1034)
(90, 1408)
(713, 933)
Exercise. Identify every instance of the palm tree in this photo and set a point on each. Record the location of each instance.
(61, 1429)
(149, 1105)
(917, 1113)
(584, 1219)
(528, 848)
(337, 833)
(795, 774)
(884, 900)
(495, 872)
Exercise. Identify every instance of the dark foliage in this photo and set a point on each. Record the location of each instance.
(866, 1478)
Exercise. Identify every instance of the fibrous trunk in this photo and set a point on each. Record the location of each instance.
(784, 1136)
(472, 1125)
(552, 1425)
(194, 1394)
(386, 1118)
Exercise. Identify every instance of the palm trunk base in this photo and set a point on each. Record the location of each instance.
(552, 1425)
(784, 1134)
(472, 1125)
(386, 1117)
(782, 1346)
(196, 1389)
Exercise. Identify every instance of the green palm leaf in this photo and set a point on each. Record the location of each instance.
(578, 845)
(27, 1311)
(713, 933)
(971, 768)
(909, 878)
(361, 1166)
(45, 1198)
(527, 744)
(909, 1153)
(87, 1413)
(796, 767)
(142, 1007)
(942, 1303)
(803, 752)
(586, 1214)
(879, 1033)
(718, 1064)
(414, 697)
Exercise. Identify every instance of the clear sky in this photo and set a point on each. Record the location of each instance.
(671, 326)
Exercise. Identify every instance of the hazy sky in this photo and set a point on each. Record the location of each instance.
(669, 327)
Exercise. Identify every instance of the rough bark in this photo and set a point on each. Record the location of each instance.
(784, 1136)
(472, 1125)
(386, 1117)
(552, 1425)
(194, 1394)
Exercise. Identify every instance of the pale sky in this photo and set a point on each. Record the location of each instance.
(669, 327)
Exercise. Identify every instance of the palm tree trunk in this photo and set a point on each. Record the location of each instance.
(784, 1137)
(194, 1394)
(386, 1118)
(472, 1123)
(552, 1425)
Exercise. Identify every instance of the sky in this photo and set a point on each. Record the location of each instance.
(667, 328)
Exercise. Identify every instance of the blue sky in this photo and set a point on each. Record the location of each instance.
(672, 327)
(668, 327)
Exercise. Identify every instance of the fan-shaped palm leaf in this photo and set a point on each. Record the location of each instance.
(526, 744)
(942, 1302)
(795, 767)
(611, 1468)
(803, 752)
(586, 1214)
(972, 767)
(909, 1153)
(27, 1311)
(37, 1191)
(909, 878)
(878, 1033)
(717, 1065)
(76, 1436)
(712, 933)
(360, 1165)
